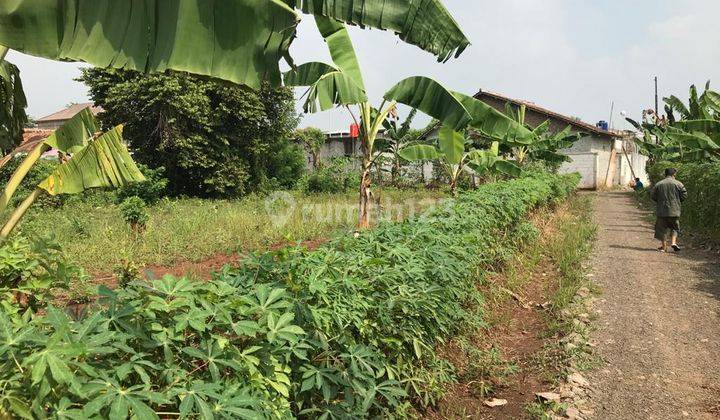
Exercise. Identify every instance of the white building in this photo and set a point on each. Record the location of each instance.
(604, 159)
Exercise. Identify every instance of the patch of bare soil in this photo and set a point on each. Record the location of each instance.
(520, 323)
(659, 321)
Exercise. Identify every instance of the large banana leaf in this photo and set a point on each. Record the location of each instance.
(677, 105)
(709, 127)
(493, 123)
(430, 97)
(712, 99)
(424, 23)
(237, 40)
(328, 86)
(340, 84)
(104, 162)
(451, 145)
(418, 152)
(341, 48)
(75, 134)
(12, 106)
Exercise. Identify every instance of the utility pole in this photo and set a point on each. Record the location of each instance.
(657, 104)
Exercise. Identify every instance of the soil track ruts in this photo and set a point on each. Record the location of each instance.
(659, 321)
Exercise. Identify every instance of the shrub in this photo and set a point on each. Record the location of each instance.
(150, 191)
(336, 177)
(346, 331)
(134, 211)
(29, 271)
(214, 139)
(702, 207)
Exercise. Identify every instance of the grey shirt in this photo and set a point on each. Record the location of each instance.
(669, 195)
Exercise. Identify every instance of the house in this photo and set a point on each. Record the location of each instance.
(604, 158)
(55, 120)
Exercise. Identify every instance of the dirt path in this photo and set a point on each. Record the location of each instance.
(659, 322)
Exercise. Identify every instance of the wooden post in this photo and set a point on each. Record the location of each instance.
(610, 174)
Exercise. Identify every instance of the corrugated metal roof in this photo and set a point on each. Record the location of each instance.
(70, 112)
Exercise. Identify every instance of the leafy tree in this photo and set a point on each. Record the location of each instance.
(213, 139)
(312, 139)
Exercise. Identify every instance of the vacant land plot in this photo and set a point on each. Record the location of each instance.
(192, 230)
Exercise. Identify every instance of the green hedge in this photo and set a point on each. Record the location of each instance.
(701, 210)
(346, 331)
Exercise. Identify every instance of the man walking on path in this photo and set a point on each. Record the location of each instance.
(669, 195)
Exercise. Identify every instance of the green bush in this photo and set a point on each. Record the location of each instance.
(336, 177)
(214, 139)
(151, 191)
(29, 271)
(134, 211)
(702, 207)
(346, 331)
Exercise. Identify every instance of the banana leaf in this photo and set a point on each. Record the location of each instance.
(712, 99)
(709, 127)
(12, 106)
(430, 97)
(423, 23)
(418, 152)
(508, 168)
(75, 134)
(330, 89)
(104, 162)
(237, 40)
(676, 104)
(493, 123)
(341, 48)
(451, 145)
(329, 85)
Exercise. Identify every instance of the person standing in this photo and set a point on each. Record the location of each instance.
(669, 195)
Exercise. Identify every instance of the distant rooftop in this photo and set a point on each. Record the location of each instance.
(70, 112)
(578, 124)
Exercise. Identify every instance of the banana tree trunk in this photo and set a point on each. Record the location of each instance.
(20, 174)
(365, 192)
(19, 213)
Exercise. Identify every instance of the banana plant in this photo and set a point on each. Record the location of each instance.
(12, 104)
(397, 136)
(544, 145)
(693, 137)
(455, 154)
(241, 41)
(96, 161)
(341, 83)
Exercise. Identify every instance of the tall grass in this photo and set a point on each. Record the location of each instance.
(99, 240)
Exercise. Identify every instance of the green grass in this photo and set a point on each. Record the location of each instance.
(99, 240)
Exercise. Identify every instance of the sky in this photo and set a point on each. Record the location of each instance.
(575, 57)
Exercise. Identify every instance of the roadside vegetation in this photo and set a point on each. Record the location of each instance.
(347, 330)
(702, 206)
